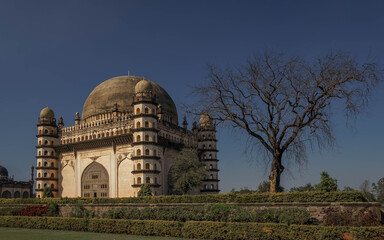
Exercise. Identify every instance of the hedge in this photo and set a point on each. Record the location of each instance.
(339, 196)
(193, 229)
(218, 212)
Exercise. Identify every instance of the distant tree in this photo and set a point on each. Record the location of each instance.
(47, 192)
(145, 190)
(378, 190)
(187, 172)
(243, 190)
(284, 104)
(327, 184)
(366, 189)
(264, 186)
(307, 187)
(347, 188)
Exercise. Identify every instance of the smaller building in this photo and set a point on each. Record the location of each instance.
(14, 189)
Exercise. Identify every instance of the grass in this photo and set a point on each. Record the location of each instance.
(39, 234)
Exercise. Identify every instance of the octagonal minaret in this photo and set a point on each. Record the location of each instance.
(208, 149)
(47, 165)
(145, 136)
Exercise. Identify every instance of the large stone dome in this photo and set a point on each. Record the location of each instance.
(3, 172)
(120, 91)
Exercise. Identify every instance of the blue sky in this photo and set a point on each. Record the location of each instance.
(53, 53)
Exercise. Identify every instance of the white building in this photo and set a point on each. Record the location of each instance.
(128, 136)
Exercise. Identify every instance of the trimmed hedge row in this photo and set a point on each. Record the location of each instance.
(219, 212)
(339, 196)
(192, 229)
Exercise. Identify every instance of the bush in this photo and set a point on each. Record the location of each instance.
(39, 210)
(315, 196)
(192, 229)
(347, 217)
(8, 211)
(78, 211)
(220, 212)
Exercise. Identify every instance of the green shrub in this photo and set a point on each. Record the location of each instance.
(315, 196)
(78, 211)
(220, 212)
(8, 211)
(194, 229)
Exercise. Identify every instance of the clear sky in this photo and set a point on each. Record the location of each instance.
(54, 53)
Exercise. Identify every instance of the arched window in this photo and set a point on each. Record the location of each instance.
(209, 147)
(203, 136)
(52, 186)
(52, 164)
(46, 131)
(211, 176)
(38, 186)
(204, 156)
(139, 180)
(146, 124)
(137, 110)
(138, 138)
(38, 175)
(155, 180)
(155, 166)
(154, 153)
(147, 180)
(147, 152)
(138, 125)
(212, 187)
(40, 131)
(210, 166)
(45, 164)
(39, 142)
(205, 186)
(52, 175)
(45, 174)
(210, 156)
(138, 166)
(147, 166)
(45, 153)
(16, 194)
(204, 146)
(146, 110)
(146, 138)
(138, 152)
(52, 153)
(39, 153)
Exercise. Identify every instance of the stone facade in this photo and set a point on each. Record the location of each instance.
(129, 136)
(10, 188)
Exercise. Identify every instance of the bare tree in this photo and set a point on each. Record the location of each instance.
(286, 103)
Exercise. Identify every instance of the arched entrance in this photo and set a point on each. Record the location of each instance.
(95, 181)
(6, 194)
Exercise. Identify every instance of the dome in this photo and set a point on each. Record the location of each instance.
(120, 91)
(143, 86)
(47, 113)
(206, 120)
(3, 172)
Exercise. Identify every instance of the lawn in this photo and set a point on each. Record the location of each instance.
(38, 234)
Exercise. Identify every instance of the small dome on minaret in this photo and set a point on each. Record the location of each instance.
(206, 120)
(47, 113)
(143, 86)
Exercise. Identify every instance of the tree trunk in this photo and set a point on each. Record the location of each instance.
(276, 170)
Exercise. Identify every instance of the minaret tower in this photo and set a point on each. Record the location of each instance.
(208, 149)
(146, 158)
(47, 165)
